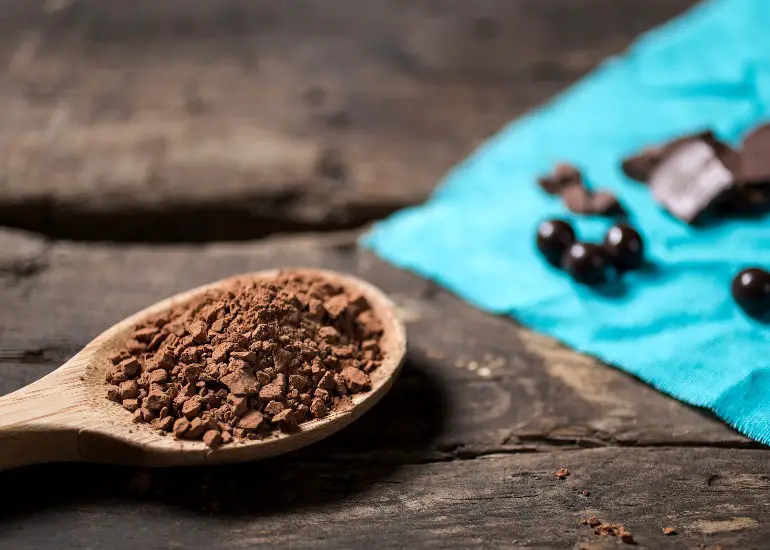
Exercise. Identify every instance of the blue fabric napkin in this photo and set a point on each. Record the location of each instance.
(675, 325)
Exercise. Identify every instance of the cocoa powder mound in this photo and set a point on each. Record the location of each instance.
(248, 360)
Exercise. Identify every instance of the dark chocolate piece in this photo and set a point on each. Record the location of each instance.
(751, 290)
(639, 167)
(690, 179)
(605, 203)
(577, 199)
(587, 263)
(625, 247)
(580, 200)
(554, 237)
(746, 200)
(563, 175)
(755, 157)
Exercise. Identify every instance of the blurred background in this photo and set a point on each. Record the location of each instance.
(199, 120)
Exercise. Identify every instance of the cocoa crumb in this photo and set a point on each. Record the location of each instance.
(562, 473)
(212, 438)
(609, 529)
(248, 360)
(180, 427)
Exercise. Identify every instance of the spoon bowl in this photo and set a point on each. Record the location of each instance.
(65, 416)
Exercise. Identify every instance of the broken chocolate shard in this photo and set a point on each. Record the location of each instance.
(755, 157)
(640, 166)
(577, 199)
(605, 203)
(690, 179)
(563, 176)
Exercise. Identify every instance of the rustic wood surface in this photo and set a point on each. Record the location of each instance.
(462, 451)
(212, 120)
(307, 114)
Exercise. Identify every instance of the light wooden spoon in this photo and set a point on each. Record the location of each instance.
(65, 415)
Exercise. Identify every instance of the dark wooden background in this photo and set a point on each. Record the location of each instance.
(147, 147)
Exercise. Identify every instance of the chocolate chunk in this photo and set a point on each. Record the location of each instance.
(318, 408)
(128, 390)
(604, 203)
(252, 420)
(129, 367)
(690, 179)
(746, 200)
(131, 405)
(271, 392)
(199, 332)
(755, 157)
(554, 237)
(577, 199)
(191, 408)
(222, 351)
(164, 424)
(355, 379)
(639, 167)
(327, 381)
(212, 438)
(273, 408)
(238, 405)
(145, 334)
(335, 306)
(299, 382)
(156, 400)
(158, 376)
(190, 355)
(624, 246)
(751, 290)
(563, 176)
(580, 200)
(286, 420)
(587, 264)
(246, 356)
(241, 382)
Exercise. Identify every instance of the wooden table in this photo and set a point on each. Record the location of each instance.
(171, 127)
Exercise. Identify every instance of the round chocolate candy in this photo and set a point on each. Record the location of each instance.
(554, 237)
(751, 290)
(624, 246)
(587, 263)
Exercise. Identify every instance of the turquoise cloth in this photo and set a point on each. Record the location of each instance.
(674, 326)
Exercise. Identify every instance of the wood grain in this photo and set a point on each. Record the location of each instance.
(190, 120)
(506, 500)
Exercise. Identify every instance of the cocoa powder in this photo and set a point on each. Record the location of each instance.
(248, 360)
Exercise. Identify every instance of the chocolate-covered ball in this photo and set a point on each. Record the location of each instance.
(587, 263)
(624, 246)
(554, 237)
(751, 290)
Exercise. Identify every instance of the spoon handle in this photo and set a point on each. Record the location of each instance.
(34, 427)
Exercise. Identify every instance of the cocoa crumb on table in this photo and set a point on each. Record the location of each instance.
(562, 473)
(609, 529)
(249, 360)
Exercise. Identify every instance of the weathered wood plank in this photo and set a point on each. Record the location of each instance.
(711, 496)
(484, 382)
(228, 119)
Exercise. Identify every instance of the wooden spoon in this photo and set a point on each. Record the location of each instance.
(65, 416)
